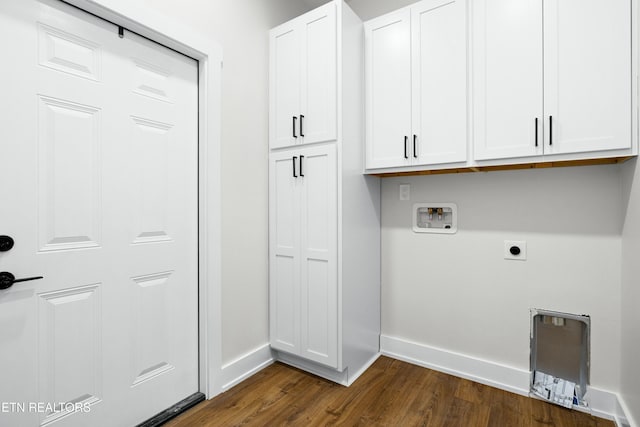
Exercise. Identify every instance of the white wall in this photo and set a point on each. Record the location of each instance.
(630, 354)
(241, 27)
(457, 293)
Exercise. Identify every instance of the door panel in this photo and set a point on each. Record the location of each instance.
(388, 81)
(439, 29)
(99, 199)
(149, 180)
(70, 348)
(151, 351)
(319, 231)
(587, 75)
(284, 252)
(70, 199)
(69, 53)
(284, 85)
(318, 76)
(507, 78)
(320, 288)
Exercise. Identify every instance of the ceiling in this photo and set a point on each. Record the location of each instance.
(366, 9)
(316, 3)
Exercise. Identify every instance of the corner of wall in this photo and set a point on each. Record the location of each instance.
(630, 294)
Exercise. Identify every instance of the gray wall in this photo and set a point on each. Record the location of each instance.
(630, 354)
(457, 293)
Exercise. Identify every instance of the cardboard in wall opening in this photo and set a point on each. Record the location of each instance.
(560, 352)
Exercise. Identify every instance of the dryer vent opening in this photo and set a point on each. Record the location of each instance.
(560, 357)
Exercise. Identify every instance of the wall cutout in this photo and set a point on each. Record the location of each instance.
(560, 357)
(435, 218)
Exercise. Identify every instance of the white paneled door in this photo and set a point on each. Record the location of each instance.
(388, 80)
(318, 250)
(98, 147)
(439, 78)
(284, 250)
(507, 78)
(285, 86)
(587, 75)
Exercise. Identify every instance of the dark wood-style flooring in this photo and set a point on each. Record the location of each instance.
(390, 393)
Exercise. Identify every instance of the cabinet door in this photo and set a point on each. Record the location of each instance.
(507, 78)
(284, 85)
(284, 252)
(439, 70)
(319, 276)
(318, 113)
(587, 76)
(388, 90)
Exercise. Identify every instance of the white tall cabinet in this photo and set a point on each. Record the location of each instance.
(324, 224)
(416, 77)
(551, 77)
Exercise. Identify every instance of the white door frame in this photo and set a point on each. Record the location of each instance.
(168, 31)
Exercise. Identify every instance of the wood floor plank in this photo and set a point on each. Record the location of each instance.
(390, 393)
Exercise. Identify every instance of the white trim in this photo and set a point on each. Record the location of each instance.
(604, 404)
(481, 371)
(245, 366)
(168, 31)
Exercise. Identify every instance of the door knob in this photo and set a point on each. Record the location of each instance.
(8, 279)
(6, 243)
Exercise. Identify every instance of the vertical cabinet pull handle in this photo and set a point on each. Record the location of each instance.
(301, 157)
(406, 138)
(301, 131)
(294, 166)
(294, 126)
(550, 130)
(415, 151)
(536, 125)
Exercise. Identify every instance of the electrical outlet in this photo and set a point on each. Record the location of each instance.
(515, 249)
(405, 192)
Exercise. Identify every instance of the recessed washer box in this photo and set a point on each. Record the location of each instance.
(435, 218)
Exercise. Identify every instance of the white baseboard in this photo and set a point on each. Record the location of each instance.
(245, 366)
(624, 418)
(603, 403)
(481, 371)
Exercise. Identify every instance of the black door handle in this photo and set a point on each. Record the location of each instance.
(301, 130)
(415, 152)
(294, 166)
(406, 138)
(8, 279)
(6, 243)
(550, 130)
(536, 124)
(294, 126)
(301, 157)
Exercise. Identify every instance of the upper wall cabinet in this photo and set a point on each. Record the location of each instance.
(302, 79)
(551, 77)
(416, 85)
